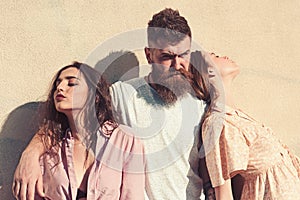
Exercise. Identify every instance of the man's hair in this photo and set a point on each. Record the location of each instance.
(168, 25)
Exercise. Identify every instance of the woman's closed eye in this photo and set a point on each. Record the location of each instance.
(73, 83)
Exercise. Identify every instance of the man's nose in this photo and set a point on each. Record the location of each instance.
(176, 62)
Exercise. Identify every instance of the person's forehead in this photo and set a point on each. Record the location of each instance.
(179, 48)
(70, 72)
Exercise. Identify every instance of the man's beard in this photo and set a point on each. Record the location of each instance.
(171, 86)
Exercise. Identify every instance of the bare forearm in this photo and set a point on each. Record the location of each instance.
(35, 148)
(28, 176)
(224, 191)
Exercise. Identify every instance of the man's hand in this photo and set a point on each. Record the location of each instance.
(28, 175)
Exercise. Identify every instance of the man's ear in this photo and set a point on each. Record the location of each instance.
(148, 55)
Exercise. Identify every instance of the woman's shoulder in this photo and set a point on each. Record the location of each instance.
(227, 123)
(113, 129)
(122, 130)
(126, 130)
(125, 137)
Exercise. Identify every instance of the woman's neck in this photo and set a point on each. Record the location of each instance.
(229, 100)
(73, 127)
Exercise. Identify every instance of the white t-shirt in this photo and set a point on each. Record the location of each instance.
(170, 135)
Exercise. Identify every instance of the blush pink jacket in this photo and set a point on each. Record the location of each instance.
(117, 173)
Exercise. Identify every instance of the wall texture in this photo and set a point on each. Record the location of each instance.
(38, 37)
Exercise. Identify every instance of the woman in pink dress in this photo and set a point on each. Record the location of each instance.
(236, 144)
(88, 155)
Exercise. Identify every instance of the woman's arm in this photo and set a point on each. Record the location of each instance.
(133, 186)
(224, 192)
(28, 176)
(133, 175)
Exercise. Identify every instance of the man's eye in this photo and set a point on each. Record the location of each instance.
(167, 57)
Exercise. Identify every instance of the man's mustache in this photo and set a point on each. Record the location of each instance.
(181, 72)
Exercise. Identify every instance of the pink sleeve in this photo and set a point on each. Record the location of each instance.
(133, 175)
(120, 174)
(228, 152)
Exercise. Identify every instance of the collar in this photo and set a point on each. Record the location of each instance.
(238, 112)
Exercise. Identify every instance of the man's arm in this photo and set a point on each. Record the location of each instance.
(28, 176)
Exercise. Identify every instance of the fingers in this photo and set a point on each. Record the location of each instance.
(16, 189)
(23, 191)
(30, 191)
(39, 187)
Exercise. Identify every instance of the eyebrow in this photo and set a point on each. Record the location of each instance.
(172, 53)
(68, 78)
(71, 77)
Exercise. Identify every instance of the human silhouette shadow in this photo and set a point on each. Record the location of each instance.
(118, 66)
(17, 130)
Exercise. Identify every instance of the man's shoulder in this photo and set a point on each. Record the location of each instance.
(191, 98)
(131, 84)
(121, 92)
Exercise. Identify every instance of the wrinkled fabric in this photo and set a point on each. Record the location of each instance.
(170, 137)
(248, 148)
(117, 173)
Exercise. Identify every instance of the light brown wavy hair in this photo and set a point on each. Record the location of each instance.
(203, 89)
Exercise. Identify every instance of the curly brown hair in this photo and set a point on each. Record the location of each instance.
(168, 25)
(96, 111)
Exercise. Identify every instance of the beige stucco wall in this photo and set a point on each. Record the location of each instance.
(38, 37)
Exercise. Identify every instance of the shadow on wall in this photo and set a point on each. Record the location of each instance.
(23, 122)
(17, 131)
(119, 66)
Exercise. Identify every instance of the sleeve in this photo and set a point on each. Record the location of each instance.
(133, 173)
(195, 183)
(115, 96)
(120, 93)
(226, 149)
(120, 174)
(294, 158)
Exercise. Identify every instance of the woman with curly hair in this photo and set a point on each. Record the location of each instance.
(88, 155)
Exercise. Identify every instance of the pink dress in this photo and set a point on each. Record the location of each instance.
(246, 147)
(117, 173)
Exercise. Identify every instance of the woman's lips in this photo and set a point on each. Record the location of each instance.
(59, 97)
